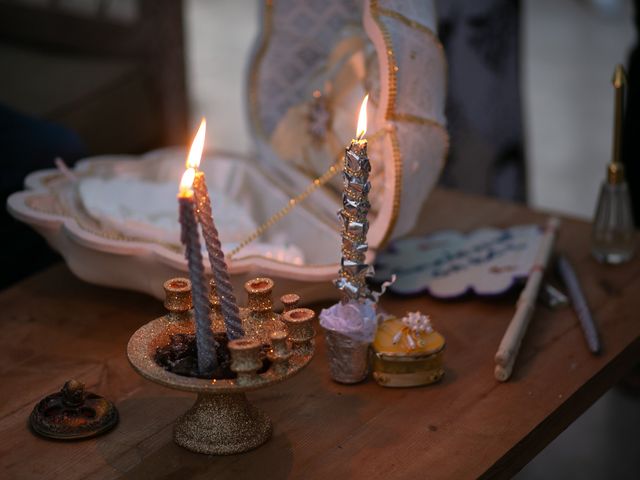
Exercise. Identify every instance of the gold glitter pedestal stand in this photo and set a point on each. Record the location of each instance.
(222, 421)
(212, 425)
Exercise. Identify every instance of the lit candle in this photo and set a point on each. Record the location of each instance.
(205, 343)
(224, 290)
(355, 206)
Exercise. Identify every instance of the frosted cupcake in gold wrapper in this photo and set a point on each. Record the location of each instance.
(408, 352)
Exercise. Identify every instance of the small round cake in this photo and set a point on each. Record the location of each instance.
(408, 352)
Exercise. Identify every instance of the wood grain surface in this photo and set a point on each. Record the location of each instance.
(55, 327)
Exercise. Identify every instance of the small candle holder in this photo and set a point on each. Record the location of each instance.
(290, 301)
(280, 353)
(299, 322)
(177, 297)
(246, 360)
(73, 414)
(222, 421)
(259, 319)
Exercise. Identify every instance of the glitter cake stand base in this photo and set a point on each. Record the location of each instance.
(222, 421)
(222, 424)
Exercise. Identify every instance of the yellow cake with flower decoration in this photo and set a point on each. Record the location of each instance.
(408, 352)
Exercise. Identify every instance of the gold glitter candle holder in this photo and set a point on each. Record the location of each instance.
(259, 319)
(290, 301)
(177, 297)
(245, 360)
(223, 421)
(299, 324)
(280, 353)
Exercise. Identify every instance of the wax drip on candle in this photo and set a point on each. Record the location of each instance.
(354, 270)
(205, 342)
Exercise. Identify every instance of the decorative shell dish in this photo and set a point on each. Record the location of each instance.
(310, 69)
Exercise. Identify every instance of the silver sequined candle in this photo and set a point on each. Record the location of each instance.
(224, 290)
(352, 280)
(205, 342)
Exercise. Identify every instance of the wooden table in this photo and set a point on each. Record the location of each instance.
(55, 327)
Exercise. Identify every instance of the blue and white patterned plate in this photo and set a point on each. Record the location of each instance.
(449, 264)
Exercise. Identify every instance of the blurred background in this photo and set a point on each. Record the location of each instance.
(568, 50)
(84, 77)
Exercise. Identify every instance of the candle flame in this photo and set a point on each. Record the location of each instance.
(187, 181)
(195, 154)
(362, 119)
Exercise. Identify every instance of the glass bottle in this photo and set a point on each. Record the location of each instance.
(613, 235)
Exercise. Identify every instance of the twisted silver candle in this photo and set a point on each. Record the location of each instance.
(228, 303)
(205, 342)
(354, 271)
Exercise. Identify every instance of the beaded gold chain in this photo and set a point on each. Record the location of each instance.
(284, 211)
(295, 201)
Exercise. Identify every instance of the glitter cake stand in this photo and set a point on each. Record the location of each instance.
(222, 421)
